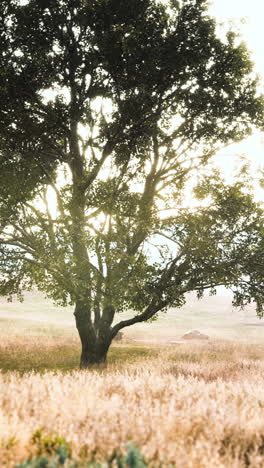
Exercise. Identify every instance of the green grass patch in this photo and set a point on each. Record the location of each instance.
(42, 355)
(41, 358)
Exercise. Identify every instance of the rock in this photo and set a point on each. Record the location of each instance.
(194, 335)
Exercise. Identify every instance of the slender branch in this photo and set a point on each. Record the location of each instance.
(90, 177)
(99, 284)
(17, 243)
(94, 214)
(167, 237)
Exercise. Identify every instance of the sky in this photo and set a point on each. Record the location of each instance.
(251, 13)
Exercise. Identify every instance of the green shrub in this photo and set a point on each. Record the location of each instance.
(132, 459)
(50, 444)
(57, 455)
(52, 452)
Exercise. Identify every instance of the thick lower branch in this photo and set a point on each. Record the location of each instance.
(148, 313)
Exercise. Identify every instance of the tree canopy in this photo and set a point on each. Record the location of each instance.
(110, 108)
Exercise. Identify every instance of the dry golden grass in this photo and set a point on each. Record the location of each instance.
(188, 406)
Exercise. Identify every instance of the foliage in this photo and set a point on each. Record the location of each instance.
(133, 458)
(46, 461)
(48, 444)
(54, 452)
(113, 109)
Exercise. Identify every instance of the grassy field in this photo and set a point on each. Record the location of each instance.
(190, 405)
(185, 405)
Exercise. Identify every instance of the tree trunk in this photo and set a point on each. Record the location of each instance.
(93, 355)
(94, 344)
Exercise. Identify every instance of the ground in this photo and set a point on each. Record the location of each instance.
(183, 405)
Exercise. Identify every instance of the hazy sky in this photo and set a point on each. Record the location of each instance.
(252, 29)
(253, 12)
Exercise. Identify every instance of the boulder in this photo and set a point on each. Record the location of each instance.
(194, 335)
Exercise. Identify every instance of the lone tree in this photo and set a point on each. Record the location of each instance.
(110, 108)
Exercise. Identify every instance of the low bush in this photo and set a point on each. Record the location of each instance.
(54, 452)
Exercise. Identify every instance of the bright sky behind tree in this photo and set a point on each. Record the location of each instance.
(251, 13)
(252, 27)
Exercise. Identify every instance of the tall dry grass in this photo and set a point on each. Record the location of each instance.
(189, 406)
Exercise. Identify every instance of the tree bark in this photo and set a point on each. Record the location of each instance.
(93, 355)
(94, 342)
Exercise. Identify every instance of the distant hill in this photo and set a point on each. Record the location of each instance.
(213, 315)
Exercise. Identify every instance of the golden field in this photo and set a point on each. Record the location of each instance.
(184, 405)
(187, 405)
